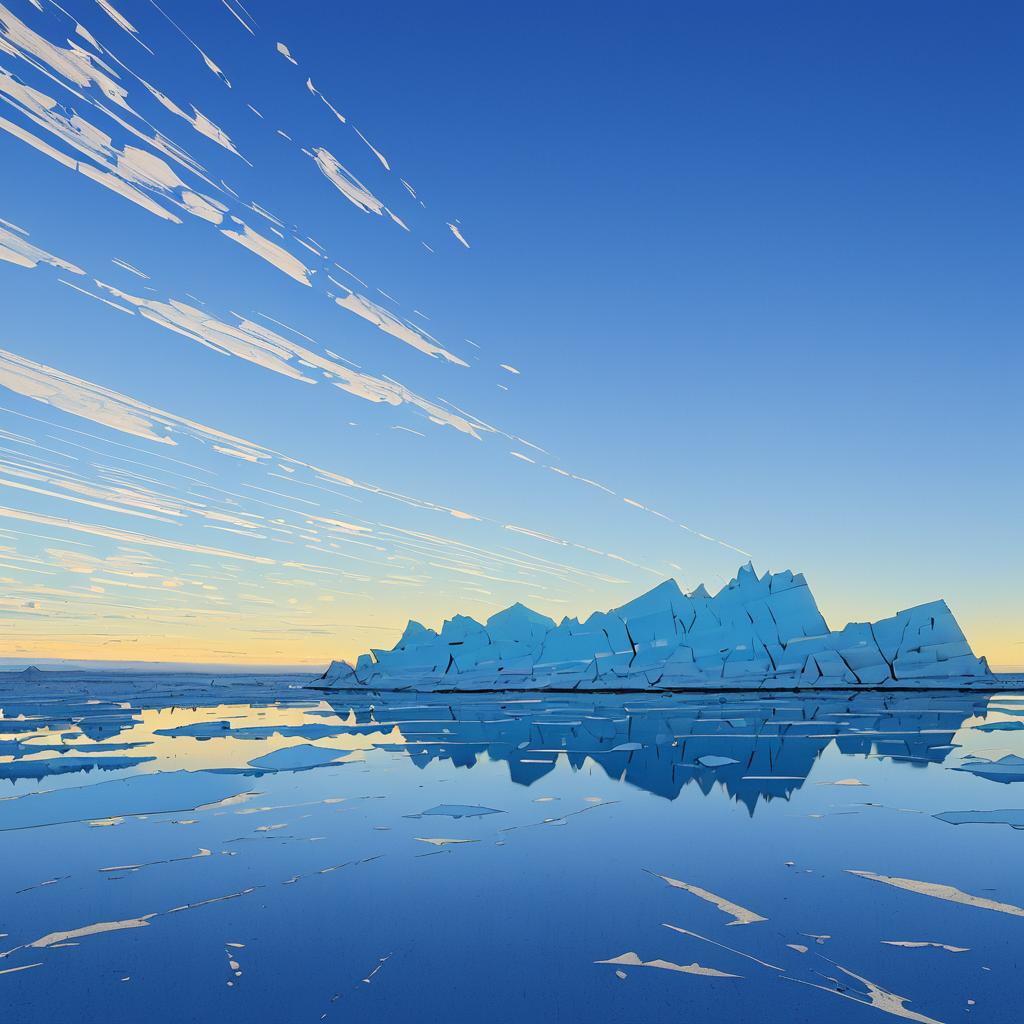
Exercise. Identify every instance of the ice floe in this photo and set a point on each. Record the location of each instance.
(940, 891)
(739, 915)
(633, 960)
(1014, 817)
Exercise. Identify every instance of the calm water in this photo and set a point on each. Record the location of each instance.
(246, 858)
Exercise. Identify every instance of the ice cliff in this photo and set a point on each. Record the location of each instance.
(755, 632)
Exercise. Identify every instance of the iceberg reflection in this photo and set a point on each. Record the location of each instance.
(753, 748)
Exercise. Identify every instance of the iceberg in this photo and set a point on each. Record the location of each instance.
(756, 632)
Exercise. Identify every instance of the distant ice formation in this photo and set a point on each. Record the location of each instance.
(755, 632)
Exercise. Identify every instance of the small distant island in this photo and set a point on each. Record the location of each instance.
(756, 633)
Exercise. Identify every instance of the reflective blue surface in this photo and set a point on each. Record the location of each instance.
(249, 853)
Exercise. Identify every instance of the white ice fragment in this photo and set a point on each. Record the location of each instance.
(633, 960)
(740, 915)
(99, 928)
(874, 995)
(925, 945)
(940, 891)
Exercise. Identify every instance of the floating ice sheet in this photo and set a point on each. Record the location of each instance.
(305, 755)
(140, 794)
(940, 891)
(633, 960)
(1007, 769)
(461, 811)
(40, 768)
(1014, 817)
(910, 944)
(739, 915)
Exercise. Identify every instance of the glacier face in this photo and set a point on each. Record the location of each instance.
(755, 632)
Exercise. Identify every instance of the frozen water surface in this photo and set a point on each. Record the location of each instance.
(249, 850)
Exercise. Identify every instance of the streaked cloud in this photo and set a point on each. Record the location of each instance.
(17, 249)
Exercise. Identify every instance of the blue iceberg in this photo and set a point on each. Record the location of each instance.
(756, 632)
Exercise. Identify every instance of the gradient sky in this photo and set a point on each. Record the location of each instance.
(757, 266)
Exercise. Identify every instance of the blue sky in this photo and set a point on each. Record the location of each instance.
(756, 265)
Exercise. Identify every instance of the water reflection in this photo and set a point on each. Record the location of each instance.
(754, 747)
(146, 833)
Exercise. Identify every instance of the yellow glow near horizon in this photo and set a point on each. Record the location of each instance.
(203, 646)
(295, 626)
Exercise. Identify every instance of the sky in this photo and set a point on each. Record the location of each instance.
(314, 319)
